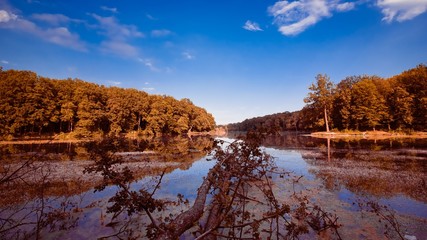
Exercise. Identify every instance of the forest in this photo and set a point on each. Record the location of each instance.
(364, 102)
(35, 105)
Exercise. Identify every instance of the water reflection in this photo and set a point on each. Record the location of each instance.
(43, 188)
(381, 168)
(62, 164)
(393, 170)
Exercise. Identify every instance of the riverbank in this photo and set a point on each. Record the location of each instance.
(368, 135)
(70, 138)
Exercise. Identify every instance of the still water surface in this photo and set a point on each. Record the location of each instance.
(336, 174)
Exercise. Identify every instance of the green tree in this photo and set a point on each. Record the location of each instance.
(321, 96)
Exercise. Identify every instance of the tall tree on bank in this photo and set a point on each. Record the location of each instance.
(321, 96)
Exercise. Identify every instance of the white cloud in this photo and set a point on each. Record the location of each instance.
(119, 48)
(57, 35)
(149, 89)
(344, 7)
(113, 10)
(114, 83)
(160, 33)
(401, 10)
(149, 64)
(6, 16)
(62, 36)
(188, 56)
(294, 17)
(4, 62)
(118, 36)
(251, 26)
(113, 29)
(53, 19)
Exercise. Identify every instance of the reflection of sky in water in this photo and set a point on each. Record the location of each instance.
(406, 205)
(290, 160)
(398, 203)
(185, 182)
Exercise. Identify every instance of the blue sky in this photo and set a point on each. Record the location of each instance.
(237, 59)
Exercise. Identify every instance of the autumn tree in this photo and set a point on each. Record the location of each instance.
(401, 103)
(369, 107)
(414, 82)
(30, 103)
(357, 102)
(321, 96)
(342, 110)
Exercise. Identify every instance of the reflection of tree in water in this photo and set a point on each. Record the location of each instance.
(39, 185)
(27, 207)
(235, 200)
(384, 168)
(66, 177)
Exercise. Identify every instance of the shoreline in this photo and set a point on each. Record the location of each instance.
(368, 135)
(53, 139)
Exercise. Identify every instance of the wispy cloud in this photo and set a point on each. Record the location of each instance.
(149, 64)
(401, 10)
(151, 17)
(344, 7)
(296, 16)
(52, 19)
(252, 26)
(118, 36)
(114, 83)
(119, 48)
(188, 56)
(4, 62)
(148, 89)
(109, 9)
(111, 27)
(7, 16)
(57, 35)
(160, 33)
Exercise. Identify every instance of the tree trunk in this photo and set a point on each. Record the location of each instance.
(326, 120)
(187, 219)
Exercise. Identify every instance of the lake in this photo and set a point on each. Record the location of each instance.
(374, 187)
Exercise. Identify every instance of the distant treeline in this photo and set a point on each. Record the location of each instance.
(31, 104)
(287, 121)
(356, 103)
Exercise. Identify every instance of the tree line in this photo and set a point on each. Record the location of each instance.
(356, 103)
(31, 104)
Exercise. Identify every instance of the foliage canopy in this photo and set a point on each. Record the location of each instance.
(356, 103)
(33, 104)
